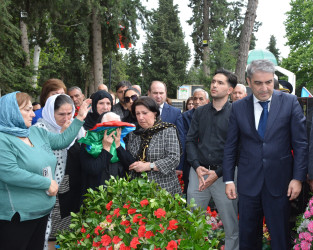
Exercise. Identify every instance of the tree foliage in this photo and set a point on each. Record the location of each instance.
(13, 74)
(299, 33)
(165, 53)
(133, 67)
(272, 47)
(225, 25)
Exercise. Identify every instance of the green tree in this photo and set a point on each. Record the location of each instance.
(165, 53)
(225, 19)
(299, 25)
(13, 74)
(133, 67)
(272, 47)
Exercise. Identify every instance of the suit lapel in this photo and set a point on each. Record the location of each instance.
(250, 112)
(274, 109)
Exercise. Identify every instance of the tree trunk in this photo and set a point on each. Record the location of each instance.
(97, 49)
(245, 38)
(91, 81)
(206, 49)
(37, 50)
(24, 40)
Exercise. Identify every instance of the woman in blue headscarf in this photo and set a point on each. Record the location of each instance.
(27, 166)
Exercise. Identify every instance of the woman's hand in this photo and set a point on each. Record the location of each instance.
(117, 137)
(84, 109)
(140, 166)
(107, 140)
(65, 125)
(53, 189)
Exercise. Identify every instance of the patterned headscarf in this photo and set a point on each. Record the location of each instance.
(11, 119)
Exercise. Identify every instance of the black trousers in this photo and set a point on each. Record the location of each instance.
(23, 235)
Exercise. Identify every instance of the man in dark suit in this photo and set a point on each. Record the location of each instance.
(265, 127)
(158, 92)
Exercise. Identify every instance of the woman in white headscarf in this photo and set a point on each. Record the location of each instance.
(57, 115)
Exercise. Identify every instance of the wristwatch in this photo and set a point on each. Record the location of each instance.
(152, 166)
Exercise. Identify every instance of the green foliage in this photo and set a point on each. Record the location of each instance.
(140, 206)
(299, 25)
(13, 74)
(133, 67)
(225, 23)
(165, 53)
(196, 76)
(272, 47)
(118, 69)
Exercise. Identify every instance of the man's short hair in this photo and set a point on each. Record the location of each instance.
(260, 65)
(242, 86)
(123, 84)
(157, 81)
(201, 90)
(73, 88)
(231, 77)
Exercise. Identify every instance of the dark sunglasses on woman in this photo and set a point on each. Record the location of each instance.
(133, 97)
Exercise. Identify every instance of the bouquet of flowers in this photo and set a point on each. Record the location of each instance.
(304, 227)
(136, 214)
(266, 241)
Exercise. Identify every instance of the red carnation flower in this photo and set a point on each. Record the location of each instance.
(108, 218)
(214, 214)
(127, 230)
(172, 225)
(142, 231)
(116, 212)
(83, 230)
(159, 213)
(96, 244)
(106, 240)
(144, 202)
(171, 245)
(116, 239)
(134, 242)
(135, 218)
(161, 231)
(126, 223)
(126, 206)
(97, 230)
(108, 206)
(149, 234)
(132, 211)
(88, 236)
(141, 222)
(123, 247)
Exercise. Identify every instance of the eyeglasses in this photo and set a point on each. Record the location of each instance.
(133, 98)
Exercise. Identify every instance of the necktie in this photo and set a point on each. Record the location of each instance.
(263, 118)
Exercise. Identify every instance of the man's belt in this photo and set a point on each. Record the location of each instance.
(211, 166)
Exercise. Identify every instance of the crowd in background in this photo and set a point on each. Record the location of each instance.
(55, 150)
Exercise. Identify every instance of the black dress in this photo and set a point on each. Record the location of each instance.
(95, 171)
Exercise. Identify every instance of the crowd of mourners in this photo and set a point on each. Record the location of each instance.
(253, 148)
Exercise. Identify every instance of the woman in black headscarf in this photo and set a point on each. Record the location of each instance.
(101, 102)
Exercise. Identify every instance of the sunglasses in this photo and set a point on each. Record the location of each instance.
(133, 98)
